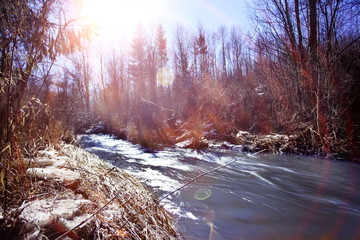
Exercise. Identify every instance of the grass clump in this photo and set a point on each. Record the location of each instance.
(104, 203)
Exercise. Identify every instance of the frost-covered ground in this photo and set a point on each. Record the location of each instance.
(82, 196)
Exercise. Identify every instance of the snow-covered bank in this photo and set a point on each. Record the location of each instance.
(76, 191)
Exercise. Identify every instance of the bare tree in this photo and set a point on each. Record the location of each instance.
(32, 35)
(137, 64)
(223, 38)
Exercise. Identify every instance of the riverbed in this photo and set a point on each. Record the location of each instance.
(262, 196)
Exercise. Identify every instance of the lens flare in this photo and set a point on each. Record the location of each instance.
(202, 194)
(165, 77)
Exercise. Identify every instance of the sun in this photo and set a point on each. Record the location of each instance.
(120, 16)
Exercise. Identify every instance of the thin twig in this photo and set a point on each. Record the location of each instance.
(112, 169)
(157, 105)
(192, 180)
(96, 212)
(203, 174)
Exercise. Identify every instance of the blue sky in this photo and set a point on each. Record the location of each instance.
(119, 18)
(123, 15)
(211, 13)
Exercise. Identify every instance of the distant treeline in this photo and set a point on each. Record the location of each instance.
(298, 73)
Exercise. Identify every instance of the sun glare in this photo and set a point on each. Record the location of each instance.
(120, 16)
(165, 77)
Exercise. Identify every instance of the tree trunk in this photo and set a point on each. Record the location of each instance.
(313, 29)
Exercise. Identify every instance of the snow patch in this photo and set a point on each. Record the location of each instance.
(46, 161)
(50, 153)
(43, 212)
(54, 173)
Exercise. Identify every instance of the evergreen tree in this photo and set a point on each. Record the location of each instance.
(161, 46)
(161, 58)
(137, 64)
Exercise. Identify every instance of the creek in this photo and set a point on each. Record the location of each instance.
(262, 196)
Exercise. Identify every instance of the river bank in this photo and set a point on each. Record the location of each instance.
(304, 140)
(262, 196)
(75, 194)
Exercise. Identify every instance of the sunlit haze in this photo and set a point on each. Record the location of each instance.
(171, 119)
(120, 17)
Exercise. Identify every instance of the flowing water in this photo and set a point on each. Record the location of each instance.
(256, 197)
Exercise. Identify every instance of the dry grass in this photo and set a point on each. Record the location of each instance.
(138, 216)
(117, 205)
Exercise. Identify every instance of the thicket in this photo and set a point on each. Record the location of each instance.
(33, 34)
(298, 74)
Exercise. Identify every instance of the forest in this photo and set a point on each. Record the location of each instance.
(296, 74)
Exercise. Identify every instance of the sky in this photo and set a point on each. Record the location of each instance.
(115, 17)
(211, 13)
(116, 20)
